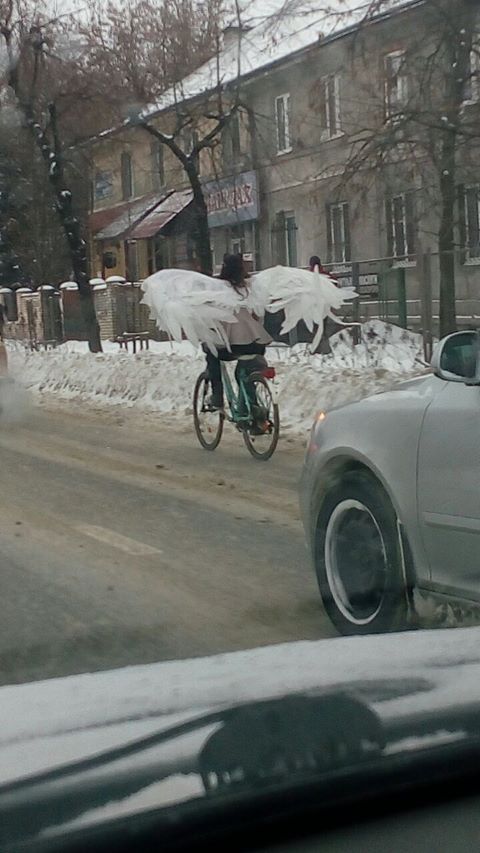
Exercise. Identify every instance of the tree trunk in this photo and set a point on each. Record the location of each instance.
(446, 237)
(53, 162)
(73, 233)
(457, 70)
(201, 231)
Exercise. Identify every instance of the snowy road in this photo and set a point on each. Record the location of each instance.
(123, 542)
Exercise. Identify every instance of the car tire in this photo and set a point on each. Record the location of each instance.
(358, 558)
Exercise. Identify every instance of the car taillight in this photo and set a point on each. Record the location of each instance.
(269, 373)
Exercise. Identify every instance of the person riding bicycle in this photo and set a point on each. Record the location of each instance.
(247, 337)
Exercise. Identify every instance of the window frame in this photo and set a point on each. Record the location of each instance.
(408, 228)
(132, 259)
(326, 83)
(281, 233)
(474, 80)
(400, 78)
(232, 141)
(473, 260)
(285, 100)
(157, 155)
(290, 258)
(127, 195)
(344, 207)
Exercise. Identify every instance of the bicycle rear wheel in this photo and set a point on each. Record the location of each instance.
(208, 424)
(261, 436)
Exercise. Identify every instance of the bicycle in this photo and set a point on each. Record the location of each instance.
(253, 410)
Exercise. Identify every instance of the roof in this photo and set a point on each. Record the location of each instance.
(280, 28)
(126, 216)
(162, 214)
(272, 30)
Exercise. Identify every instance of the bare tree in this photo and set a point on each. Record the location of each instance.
(189, 158)
(28, 43)
(137, 49)
(143, 52)
(422, 123)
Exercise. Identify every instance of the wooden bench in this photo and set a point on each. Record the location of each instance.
(141, 338)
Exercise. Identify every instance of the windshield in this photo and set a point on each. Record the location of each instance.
(239, 402)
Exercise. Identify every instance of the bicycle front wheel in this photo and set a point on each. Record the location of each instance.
(208, 424)
(261, 435)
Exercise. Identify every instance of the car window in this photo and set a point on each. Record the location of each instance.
(459, 356)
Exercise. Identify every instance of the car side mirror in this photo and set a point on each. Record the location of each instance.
(457, 358)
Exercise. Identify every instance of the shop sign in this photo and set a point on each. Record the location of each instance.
(232, 200)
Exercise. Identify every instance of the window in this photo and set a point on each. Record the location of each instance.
(237, 239)
(400, 217)
(291, 239)
(338, 233)
(471, 92)
(231, 145)
(103, 185)
(282, 118)
(189, 138)
(131, 259)
(157, 254)
(396, 83)
(158, 168)
(285, 238)
(127, 176)
(331, 106)
(469, 198)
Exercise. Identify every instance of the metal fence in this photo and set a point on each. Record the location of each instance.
(407, 293)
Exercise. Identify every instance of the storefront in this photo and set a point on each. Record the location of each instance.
(113, 250)
(233, 210)
(163, 237)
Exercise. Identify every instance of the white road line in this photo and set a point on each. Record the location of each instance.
(116, 540)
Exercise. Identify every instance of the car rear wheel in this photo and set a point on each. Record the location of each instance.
(358, 559)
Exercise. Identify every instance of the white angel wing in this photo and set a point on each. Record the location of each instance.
(188, 304)
(302, 295)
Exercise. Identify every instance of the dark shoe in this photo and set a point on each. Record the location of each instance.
(261, 428)
(214, 404)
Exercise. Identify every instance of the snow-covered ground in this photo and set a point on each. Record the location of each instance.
(162, 379)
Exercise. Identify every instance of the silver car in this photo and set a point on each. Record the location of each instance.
(390, 495)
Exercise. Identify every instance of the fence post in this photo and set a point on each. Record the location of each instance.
(427, 311)
(402, 298)
(356, 302)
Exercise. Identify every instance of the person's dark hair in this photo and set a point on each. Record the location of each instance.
(314, 262)
(233, 270)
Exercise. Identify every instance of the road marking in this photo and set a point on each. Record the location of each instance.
(116, 540)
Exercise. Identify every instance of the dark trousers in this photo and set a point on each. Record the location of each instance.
(215, 371)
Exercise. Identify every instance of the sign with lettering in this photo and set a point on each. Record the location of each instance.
(232, 200)
(367, 284)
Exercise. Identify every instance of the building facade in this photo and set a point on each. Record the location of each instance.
(286, 179)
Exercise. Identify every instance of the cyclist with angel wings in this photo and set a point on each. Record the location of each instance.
(224, 314)
(247, 338)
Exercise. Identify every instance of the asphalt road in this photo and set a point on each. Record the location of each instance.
(123, 542)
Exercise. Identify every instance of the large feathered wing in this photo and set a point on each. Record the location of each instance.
(188, 304)
(301, 294)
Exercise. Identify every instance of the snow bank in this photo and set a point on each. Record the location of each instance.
(162, 379)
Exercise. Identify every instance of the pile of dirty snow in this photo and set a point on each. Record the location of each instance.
(162, 379)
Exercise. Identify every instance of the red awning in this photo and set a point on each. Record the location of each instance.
(114, 221)
(161, 215)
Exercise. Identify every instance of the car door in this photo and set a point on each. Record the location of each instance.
(449, 487)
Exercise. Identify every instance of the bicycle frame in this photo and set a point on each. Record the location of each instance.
(239, 404)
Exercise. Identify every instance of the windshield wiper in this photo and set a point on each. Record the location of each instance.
(257, 743)
(254, 747)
